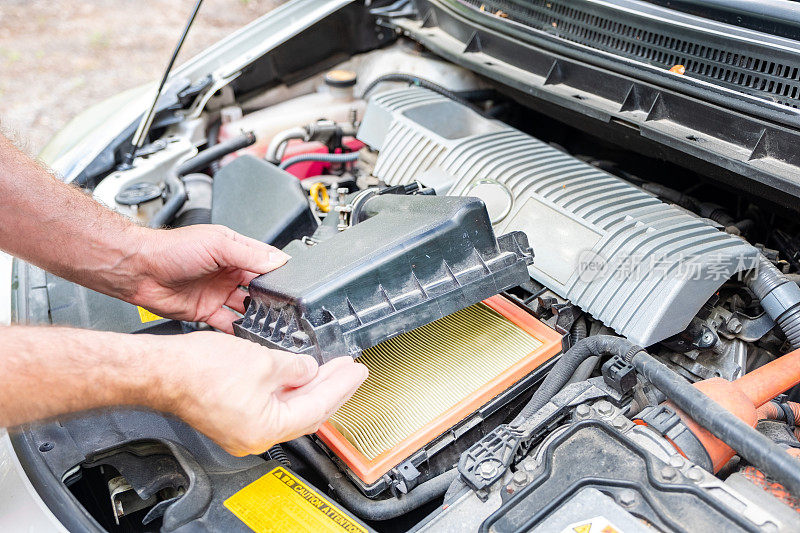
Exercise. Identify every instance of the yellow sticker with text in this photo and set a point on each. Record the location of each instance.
(147, 316)
(280, 501)
(598, 524)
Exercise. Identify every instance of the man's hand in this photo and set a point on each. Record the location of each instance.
(242, 395)
(193, 273)
(246, 397)
(187, 274)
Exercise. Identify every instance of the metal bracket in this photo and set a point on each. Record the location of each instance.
(485, 462)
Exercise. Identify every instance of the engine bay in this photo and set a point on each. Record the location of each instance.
(539, 308)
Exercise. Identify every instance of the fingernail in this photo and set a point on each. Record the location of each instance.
(278, 257)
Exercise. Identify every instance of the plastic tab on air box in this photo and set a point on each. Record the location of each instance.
(405, 262)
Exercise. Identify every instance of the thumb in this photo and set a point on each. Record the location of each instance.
(237, 251)
(295, 370)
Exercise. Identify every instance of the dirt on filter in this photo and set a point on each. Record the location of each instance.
(59, 57)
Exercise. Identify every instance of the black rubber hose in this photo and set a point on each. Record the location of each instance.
(177, 197)
(218, 151)
(780, 298)
(584, 370)
(566, 366)
(202, 160)
(354, 500)
(213, 140)
(578, 331)
(190, 217)
(754, 447)
(348, 157)
(277, 453)
(413, 80)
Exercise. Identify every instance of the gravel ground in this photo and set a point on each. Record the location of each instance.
(58, 57)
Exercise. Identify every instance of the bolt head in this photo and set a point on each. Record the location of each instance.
(669, 473)
(627, 497)
(583, 410)
(487, 470)
(619, 422)
(676, 461)
(604, 408)
(520, 477)
(695, 474)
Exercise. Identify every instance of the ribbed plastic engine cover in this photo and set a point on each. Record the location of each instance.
(642, 267)
(425, 381)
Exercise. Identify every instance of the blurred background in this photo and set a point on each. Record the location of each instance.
(58, 57)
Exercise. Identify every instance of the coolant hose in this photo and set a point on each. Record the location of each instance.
(751, 445)
(177, 197)
(212, 139)
(274, 152)
(566, 366)
(218, 151)
(202, 160)
(577, 333)
(584, 370)
(349, 157)
(354, 500)
(780, 298)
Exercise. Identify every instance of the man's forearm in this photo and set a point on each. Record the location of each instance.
(61, 229)
(48, 371)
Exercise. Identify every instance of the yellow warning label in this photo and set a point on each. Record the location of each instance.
(146, 316)
(279, 501)
(598, 524)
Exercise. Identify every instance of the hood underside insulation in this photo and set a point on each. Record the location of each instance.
(425, 381)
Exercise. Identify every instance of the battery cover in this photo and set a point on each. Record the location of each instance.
(427, 380)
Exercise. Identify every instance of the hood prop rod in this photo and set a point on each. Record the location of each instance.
(147, 120)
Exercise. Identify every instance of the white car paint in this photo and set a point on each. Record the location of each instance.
(21, 508)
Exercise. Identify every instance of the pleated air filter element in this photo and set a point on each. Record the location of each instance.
(426, 381)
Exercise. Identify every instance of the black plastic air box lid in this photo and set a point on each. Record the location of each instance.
(257, 199)
(409, 260)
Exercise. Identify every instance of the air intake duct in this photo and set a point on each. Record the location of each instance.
(780, 298)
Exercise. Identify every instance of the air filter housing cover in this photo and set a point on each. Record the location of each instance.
(409, 260)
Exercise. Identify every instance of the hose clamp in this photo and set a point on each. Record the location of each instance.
(666, 421)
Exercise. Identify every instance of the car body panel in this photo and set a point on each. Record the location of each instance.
(21, 508)
(78, 144)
